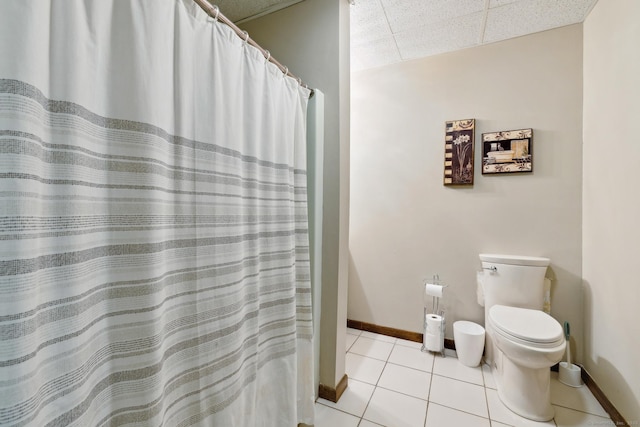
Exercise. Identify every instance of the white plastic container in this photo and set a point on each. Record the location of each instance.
(469, 340)
(570, 374)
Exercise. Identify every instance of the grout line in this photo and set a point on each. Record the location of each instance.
(374, 423)
(375, 386)
(337, 409)
(580, 410)
(429, 392)
(463, 411)
(486, 402)
(354, 341)
(372, 393)
(484, 380)
(404, 394)
(457, 379)
(410, 367)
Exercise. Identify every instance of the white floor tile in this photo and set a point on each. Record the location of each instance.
(458, 395)
(502, 414)
(372, 348)
(349, 341)
(363, 369)
(411, 358)
(378, 337)
(452, 368)
(566, 417)
(395, 409)
(489, 380)
(450, 353)
(405, 380)
(355, 398)
(407, 343)
(422, 389)
(438, 416)
(580, 399)
(329, 417)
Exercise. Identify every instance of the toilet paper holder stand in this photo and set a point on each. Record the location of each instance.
(435, 307)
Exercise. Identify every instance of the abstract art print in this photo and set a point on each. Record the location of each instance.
(458, 152)
(507, 151)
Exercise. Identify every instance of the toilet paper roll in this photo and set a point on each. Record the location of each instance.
(433, 333)
(432, 342)
(434, 324)
(432, 290)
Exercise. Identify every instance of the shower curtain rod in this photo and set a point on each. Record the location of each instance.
(214, 12)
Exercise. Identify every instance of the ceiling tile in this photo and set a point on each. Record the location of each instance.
(374, 53)
(368, 21)
(407, 14)
(498, 3)
(444, 36)
(526, 17)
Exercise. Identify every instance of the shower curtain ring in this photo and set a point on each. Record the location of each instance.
(214, 18)
(267, 55)
(246, 37)
(285, 71)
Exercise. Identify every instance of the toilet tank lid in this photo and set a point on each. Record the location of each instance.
(515, 260)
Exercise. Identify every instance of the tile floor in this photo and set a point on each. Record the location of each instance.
(392, 383)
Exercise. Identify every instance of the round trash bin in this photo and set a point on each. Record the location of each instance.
(469, 340)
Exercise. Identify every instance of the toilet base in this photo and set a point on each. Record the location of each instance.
(524, 391)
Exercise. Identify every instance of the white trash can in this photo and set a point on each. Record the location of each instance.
(469, 340)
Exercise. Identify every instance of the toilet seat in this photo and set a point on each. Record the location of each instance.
(533, 328)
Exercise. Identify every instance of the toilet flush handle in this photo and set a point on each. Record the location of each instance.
(493, 268)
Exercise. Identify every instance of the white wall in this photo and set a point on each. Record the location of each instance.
(405, 225)
(312, 39)
(611, 202)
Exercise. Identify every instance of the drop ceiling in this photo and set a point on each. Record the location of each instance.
(384, 32)
(244, 10)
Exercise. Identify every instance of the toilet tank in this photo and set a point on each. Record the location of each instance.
(512, 280)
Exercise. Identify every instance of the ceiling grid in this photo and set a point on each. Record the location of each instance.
(384, 32)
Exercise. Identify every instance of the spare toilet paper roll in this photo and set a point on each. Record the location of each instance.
(432, 342)
(433, 332)
(434, 324)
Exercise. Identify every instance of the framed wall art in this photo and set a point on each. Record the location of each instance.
(458, 152)
(507, 151)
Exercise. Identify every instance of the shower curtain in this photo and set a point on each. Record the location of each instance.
(154, 263)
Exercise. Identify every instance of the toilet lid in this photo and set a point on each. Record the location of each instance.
(526, 324)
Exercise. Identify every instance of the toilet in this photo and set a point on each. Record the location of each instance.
(522, 341)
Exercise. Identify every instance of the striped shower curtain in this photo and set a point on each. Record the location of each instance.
(154, 264)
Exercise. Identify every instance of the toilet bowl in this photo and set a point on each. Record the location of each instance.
(526, 343)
